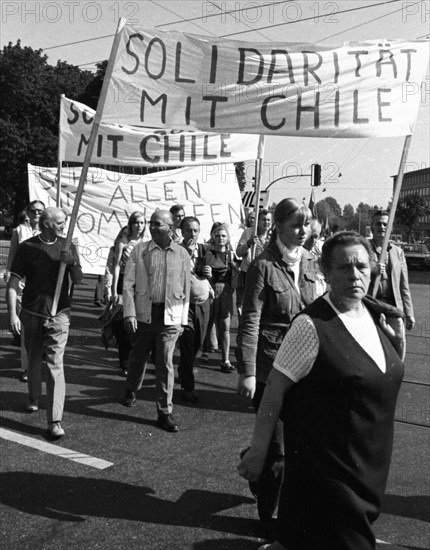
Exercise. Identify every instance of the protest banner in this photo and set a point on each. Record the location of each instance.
(177, 80)
(210, 193)
(248, 199)
(117, 144)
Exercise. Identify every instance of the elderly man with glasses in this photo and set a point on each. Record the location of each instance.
(156, 300)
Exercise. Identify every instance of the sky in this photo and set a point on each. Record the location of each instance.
(353, 170)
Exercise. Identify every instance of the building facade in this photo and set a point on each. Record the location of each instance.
(417, 182)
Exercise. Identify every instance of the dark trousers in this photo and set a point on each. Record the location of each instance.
(268, 486)
(163, 338)
(191, 341)
(122, 342)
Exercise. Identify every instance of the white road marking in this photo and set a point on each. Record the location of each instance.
(82, 458)
(392, 546)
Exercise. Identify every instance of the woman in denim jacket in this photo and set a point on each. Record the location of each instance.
(280, 283)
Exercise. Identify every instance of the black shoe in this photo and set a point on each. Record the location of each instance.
(129, 398)
(190, 396)
(167, 422)
(268, 529)
(24, 377)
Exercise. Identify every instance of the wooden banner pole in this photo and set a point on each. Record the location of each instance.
(87, 160)
(258, 171)
(60, 153)
(392, 215)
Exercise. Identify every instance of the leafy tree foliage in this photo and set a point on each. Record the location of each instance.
(409, 210)
(91, 94)
(30, 92)
(330, 210)
(348, 213)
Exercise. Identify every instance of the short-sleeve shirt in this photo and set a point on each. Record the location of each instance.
(299, 349)
(39, 263)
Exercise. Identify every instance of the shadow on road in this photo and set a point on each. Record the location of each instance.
(75, 498)
(415, 507)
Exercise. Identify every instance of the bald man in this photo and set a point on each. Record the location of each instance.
(156, 300)
(45, 335)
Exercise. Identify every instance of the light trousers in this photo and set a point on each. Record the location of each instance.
(47, 339)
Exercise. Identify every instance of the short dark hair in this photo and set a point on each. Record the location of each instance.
(343, 238)
(176, 208)
(188, 219)
(379, 213)
(263, 212)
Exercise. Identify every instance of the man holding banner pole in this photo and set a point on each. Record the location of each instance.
(37, 260)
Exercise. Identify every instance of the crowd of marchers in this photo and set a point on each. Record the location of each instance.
(319, 350)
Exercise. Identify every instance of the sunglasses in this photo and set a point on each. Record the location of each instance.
(35, 211)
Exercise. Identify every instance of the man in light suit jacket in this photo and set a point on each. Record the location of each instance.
(394, 284)
(156, 301)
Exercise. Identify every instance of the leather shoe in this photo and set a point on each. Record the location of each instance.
(129, 398)
(167, 422)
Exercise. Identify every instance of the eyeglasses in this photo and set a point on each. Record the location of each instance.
(35, 211)
(158, 224)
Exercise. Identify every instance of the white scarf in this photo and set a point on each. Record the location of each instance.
(290, 257)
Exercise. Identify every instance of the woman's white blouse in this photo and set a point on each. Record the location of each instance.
(299, 348)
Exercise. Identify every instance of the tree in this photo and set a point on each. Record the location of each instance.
(30, 92)
(348, 216)
(334, 206)
(409, 210)
(330, 210)
(91, 94)
(363, 217)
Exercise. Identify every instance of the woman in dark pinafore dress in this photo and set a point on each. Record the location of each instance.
(334, 384)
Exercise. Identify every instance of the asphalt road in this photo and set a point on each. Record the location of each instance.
(164, 491)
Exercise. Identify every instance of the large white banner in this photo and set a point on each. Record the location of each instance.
(177, 80)
(117, 144)
(210, 193)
